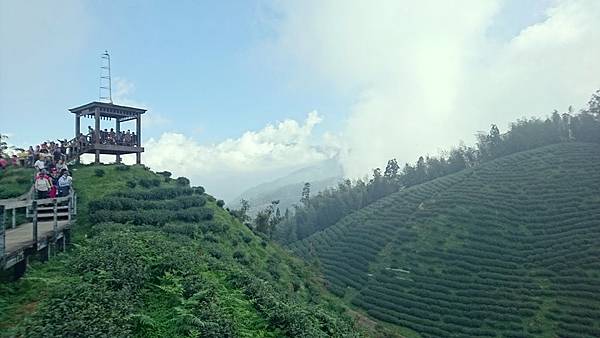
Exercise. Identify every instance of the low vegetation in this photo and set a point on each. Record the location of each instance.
(506, 249)
(165, 261)
(15, 182)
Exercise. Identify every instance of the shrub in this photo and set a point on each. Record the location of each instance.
(220, 203)
(146, 183)
(122, 167)
(183, 181)
(131, 184)
(83, 310)
(23, 180)
(99, 172)
(165, 174)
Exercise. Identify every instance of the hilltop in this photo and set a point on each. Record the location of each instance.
(154, 257)
(508, 248)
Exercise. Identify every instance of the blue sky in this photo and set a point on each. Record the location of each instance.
(195, 64)
(240, 92)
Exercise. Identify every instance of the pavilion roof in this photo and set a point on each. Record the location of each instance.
(107, 110)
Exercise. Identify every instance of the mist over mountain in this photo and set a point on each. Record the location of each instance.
(287, 189)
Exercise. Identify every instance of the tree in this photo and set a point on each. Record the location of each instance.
(421, 171)
(3, 145)
(183, 181)
(267, 219)
(391, 169)
(305, 199)
(594, 104)
(242, 212)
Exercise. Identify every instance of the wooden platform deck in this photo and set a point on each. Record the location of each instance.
(22, 236)
(53, 218)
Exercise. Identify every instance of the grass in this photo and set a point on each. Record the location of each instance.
(15, 181)
(505, 249)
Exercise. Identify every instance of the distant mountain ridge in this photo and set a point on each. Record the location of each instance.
(287, 189)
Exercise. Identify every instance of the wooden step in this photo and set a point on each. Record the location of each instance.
(51, 215)
(59, 207)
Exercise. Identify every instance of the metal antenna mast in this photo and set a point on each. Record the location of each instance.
(105, 92)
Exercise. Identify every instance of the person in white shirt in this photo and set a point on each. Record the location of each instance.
(39, 164)
(64, 184)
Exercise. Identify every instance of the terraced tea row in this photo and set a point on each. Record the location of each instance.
(507, 249)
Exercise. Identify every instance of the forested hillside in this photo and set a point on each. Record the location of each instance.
(154, 257)
(329, 206)
(508, 248)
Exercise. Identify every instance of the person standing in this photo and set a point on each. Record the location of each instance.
(64, 184)
(42, 185)
(39, 164)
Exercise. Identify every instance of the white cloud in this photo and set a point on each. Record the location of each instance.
(234, 164)
(425, 74)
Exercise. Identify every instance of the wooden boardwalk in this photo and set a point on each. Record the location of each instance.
(46, 230)
(22, 236)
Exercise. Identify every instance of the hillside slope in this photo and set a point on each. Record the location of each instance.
(506, 249)
(154, 257)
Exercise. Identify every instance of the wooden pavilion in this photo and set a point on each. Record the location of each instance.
(96, 141)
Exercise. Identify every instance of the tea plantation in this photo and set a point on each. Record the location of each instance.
(153, 257)
(507, 249)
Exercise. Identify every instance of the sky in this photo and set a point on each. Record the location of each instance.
(242, 92)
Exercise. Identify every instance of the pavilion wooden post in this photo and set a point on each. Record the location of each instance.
(97, 135)
(14, 218)
(138, 124)
(117, 131)
(77, 125)
(75, 147)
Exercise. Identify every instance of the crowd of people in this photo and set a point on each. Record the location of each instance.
(122, 138)
(52, 178)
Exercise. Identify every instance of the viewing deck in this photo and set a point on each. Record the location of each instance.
(111, 149)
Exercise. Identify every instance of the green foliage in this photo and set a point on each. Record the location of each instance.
(502, 249)
(83, 310)
(3, 145)
(183, 181)
(156, 262)
(122, 167)
(266, 219)
(99, 172)
(330, 206)
(220, 203)
(15, 182)
(149, 183)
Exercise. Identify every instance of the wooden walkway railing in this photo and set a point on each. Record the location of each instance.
(46, 229)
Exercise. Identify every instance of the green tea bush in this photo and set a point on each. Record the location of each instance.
(83, 310)
(183, 181)
(99, 172)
